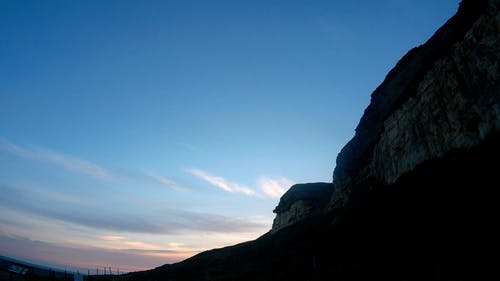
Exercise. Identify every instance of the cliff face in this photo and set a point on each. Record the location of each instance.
(441, 96)
(414, 193)
(301, 201)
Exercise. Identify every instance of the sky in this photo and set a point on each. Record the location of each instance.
(139, 133)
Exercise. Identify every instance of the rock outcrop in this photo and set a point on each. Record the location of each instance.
(414, 193)
(441, 96)
(301, 201)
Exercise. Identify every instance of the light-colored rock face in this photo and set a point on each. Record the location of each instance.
(301, 201)
(456, 105)
(448, 111)
(298, 211)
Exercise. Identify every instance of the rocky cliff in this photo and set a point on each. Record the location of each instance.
(441, 96)
(301, 201)
(414, 193)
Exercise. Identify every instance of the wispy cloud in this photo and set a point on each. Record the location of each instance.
(112, 238)
(221, 182)
(172, 221)
(53, 196)
(164, 181)
(270, 187)
(65, 161)
(274, 188)
(122, 242)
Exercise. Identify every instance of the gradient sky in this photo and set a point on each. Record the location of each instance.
(138, 133)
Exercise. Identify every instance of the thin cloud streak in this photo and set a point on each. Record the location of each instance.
(164, 181)
(122, 242)
(56, 197)
(112, 238)
(221, 182)
(65, 161)
(274, 188)
(172, 221)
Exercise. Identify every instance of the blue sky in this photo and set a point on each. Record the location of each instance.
(138, 133)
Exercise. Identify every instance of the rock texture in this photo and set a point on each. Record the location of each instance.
(441, 96)
(301, 201)
(414, 193)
